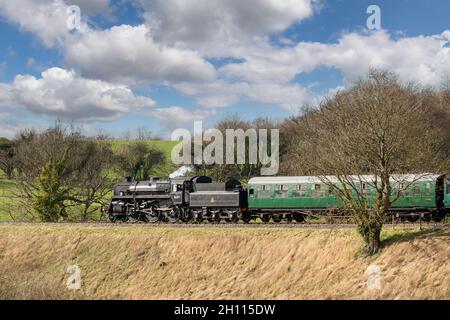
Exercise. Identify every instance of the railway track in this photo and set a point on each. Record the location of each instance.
(226, 225)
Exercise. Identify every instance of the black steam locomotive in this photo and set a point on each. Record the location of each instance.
(179, 199)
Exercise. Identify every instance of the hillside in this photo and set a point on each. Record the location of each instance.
(141, 262)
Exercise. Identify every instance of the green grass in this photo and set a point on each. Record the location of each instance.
(6, 188)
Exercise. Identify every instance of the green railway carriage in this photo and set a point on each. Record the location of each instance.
(427, 194)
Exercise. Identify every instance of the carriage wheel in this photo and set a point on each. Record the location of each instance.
(277, 218)
(412, 218)
(426, 217)
(438, 216)
(298, 217)
(288, 218)
(265, 218)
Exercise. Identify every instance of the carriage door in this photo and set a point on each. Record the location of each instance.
(447, 195)
(440, 193)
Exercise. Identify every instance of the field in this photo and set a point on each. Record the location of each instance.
(163, 170)
(142, 262)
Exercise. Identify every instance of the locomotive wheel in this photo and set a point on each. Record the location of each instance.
(152, 215)
(133, 218)
(233, 219)
(186, 216)
(277, 218)
(214, 217)
(265, 218)
(112, 218)
(299, 217)
(174, 214)
(199, 217)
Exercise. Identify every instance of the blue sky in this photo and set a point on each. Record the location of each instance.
(164, 63)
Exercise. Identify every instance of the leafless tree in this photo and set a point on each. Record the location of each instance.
(380, 128)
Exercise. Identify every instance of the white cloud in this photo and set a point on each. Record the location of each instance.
(212, 26)
(178, 36)
(64, 94)
(129, 54)
(175, 117)
(48, 18)
(421, 59)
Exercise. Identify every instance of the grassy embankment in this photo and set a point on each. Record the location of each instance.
(163, 170)
(138, 262)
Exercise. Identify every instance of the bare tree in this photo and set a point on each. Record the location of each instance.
(83, 174)
(138, 159)
(7, 157)
(379, 128)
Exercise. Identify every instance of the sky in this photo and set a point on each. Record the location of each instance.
(163, 64)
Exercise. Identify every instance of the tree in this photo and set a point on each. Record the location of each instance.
(91, 181)
(7, 157)
(138, 159)
(241, 171)
(379, 127)
(80, 175)
(49, 201)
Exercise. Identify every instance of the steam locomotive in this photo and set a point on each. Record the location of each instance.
(422, 196)
(178, 199)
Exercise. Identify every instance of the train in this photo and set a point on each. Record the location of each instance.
(271, 198)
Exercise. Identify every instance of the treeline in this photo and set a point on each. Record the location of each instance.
(62, 175)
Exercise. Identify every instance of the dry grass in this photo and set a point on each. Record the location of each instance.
(163, 263)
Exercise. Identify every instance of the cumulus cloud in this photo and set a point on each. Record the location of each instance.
(161, 52)
(423, 59)
(47, 19)
(212, 26)
(129, 54)
(64, 94)
(175, 117)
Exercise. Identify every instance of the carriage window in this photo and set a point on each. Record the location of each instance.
(448, 189)
(251, 191)
(264, 191)
(299, 190)
(427, 188)
(174, 188)
(318, 191)
(281, 191)
(416, 189)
